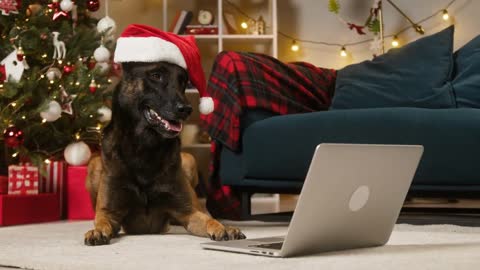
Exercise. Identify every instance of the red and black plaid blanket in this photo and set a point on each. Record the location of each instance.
(242, 81)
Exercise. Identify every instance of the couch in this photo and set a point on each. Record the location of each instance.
(420, 94)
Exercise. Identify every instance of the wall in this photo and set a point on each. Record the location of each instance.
(310, 19)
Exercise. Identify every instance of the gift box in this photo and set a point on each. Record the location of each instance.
(79, 206)
(52, 180)
(26, 209)
(22, 180)
(3, 184)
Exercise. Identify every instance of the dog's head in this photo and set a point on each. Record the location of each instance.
(153, 94)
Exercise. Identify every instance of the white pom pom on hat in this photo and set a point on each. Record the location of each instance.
(142, 43)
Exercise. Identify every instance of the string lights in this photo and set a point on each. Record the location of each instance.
(296, 42)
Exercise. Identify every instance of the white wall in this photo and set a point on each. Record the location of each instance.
(310, 19)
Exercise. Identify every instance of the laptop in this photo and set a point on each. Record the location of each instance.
(351, 198)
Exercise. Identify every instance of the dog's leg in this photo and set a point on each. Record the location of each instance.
(107, 221)
(199, 222)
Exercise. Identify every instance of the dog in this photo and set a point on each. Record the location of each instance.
(142, 182)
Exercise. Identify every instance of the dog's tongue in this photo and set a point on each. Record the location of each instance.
(177, 127)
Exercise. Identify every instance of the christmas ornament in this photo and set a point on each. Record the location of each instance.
(3, 73)
(43, 36)
(20, 54)
(53, 112)
(140, 43)
(101, 54)
(92, 86)
(66, 5)
(57, 12)
(91, 63)
(13, 68)
(93, 5)
(103, 67)
(33, 9)
(59, 50)
(53, 73)
(105, 114)
(68, 68)
(77, 154)
(106, 26)
(13, 136)
(9, 6)
(67, 102)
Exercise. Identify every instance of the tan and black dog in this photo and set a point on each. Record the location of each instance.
(142, 182)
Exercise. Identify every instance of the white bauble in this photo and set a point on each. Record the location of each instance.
(106, 114)
(101, 54)
(53, 112)
(66, 5)
(77, 154)
(54, 73)
(103, 67)
(107, 26)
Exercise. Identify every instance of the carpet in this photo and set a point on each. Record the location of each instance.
(59, 245)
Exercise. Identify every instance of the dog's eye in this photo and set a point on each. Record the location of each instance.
(157, 76)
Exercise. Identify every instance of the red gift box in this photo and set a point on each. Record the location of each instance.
(25, 209)
(22, 179)
(52, 181)
(3, 184)
(79, 206)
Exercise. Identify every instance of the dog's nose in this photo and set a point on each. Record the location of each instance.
(184, 108)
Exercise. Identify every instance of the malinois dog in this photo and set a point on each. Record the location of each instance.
(142, 182)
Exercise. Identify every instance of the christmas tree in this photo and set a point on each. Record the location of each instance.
(55, 78)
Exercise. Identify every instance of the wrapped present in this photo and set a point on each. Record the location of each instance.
(79, 205)
(3, 184)
(22, 179)
(26, 209)
(52, 180)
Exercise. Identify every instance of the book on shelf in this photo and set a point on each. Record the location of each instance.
(201, 30)
(180, 22)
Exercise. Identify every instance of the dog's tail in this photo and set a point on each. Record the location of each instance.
(94, 176)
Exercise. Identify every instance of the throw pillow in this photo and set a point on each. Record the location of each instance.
(416, 75)
(466, 77)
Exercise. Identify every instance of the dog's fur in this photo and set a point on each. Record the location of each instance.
(142, 182)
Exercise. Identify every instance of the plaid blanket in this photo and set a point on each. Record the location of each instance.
(242, 81)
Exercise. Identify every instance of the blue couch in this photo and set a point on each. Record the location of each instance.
(420, 94)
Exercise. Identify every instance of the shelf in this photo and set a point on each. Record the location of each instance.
(197, 145)
(247, 37)
(207, 37)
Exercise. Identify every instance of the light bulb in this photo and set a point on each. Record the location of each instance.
(295, 46)
(343, 52)
(445, 15)
(47, 161)
(395, 42)
(244, 25)
(15, 154)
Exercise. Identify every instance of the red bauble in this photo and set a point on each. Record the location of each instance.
(20, 54)
(93, 87)
(68, 68)
(91, 63)
(93, 5)
(13, 137)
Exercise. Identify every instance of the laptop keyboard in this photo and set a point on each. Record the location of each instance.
(277, 245)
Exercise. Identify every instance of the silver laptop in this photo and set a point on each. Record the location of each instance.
(351, 198)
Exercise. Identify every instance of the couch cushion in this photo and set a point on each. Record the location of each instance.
(415, 75)
(466, 80)
(280, 148)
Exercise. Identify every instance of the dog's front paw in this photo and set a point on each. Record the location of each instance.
(97, 238)
(225, 233)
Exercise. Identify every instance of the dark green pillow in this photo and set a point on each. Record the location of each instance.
(416, 75)
(466, 80)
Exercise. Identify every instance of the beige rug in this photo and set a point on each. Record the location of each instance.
(60, 246)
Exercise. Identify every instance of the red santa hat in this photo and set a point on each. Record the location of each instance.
(142, 43)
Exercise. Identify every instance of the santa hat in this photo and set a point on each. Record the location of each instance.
(142, 43)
